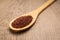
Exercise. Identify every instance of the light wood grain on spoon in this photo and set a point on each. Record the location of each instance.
(34, 14)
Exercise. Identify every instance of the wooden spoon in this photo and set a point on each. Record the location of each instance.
(25, 21)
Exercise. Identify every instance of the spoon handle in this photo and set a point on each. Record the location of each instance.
(45, 5)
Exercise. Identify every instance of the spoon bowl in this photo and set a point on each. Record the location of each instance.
(23, 28)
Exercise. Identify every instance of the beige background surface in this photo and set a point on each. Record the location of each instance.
(47, 26)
